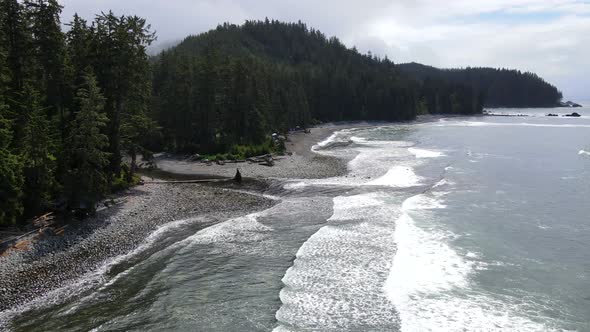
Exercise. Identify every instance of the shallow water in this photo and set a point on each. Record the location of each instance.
(476, 223)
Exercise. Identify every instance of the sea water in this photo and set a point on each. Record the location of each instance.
(453, 224)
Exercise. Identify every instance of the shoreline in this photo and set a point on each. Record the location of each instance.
(53, 262)
(299, 162)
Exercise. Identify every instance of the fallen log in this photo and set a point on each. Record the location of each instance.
(189, 181)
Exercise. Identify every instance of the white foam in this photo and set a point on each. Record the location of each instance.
(325, 142)
(294, 185)
(397, 176)
(584, 152)
(430, 283)
(421, 202)
(335, 281)
(443, 182)
(360, 207)
(356, 139)
(241, 229)
(506, 124)
(422, 153)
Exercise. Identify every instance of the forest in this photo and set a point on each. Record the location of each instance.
(81, 101)
(499, 87)
(237, 83)
(72, 104)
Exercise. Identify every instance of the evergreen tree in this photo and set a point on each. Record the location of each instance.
(49, 47)
(11, 178)
(39, 161)
(489, 86)
(86, 157)
(122, 63)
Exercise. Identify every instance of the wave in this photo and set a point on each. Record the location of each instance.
(505, 124)
(422, 153)
(584, 152)
(335, 281)
(442, 183)
(397, 176)
(325, 142)
(294, 185)
(94, 280)
(340, 138)
(430, 283)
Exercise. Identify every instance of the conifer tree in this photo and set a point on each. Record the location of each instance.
(86, 157)
(11, 178)
(38, 157)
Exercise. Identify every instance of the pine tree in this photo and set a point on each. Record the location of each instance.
(17, 41)
(49, 50)
(38, 157)
(86, 157)
(120, 43)
(11, 178)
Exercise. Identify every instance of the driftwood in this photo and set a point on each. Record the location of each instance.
(44, 220)
(237, 178)
(41, 224)
(266, 160)
(188, 181)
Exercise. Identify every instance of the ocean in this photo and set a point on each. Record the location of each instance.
(451, 224)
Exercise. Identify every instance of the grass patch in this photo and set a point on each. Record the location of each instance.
(241, 152)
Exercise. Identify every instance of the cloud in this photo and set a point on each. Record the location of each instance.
(549, 37)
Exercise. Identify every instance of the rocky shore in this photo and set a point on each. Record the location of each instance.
(299, 163)
(52, 262)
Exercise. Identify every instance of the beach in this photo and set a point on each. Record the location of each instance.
(52, 262)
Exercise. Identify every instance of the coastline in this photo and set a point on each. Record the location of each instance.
(300, 162)
(53, 262)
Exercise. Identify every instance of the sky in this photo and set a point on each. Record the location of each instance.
(548, 37)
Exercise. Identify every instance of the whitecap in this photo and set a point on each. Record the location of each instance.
(584, 152)
(335, 281)
(397, 176)
(356, 139)
(294, 185)
(422, 153)
(358, 207)
(443, 182)
(325, 142)
(508, 124)
(431, 286)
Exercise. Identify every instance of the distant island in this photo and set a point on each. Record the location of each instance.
(569, 104)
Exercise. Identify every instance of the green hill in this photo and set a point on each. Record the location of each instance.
(235, 84)
(498, 87)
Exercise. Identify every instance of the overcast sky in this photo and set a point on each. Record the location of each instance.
(549, 37)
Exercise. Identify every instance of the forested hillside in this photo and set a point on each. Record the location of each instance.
(71, 105)
(78, 106)
(499, 87)
(236, 84)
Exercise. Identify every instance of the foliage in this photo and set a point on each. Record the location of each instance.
(236, 84)
(74, 104)
(70, 105)
(86, 181)
(11, 177)
(241, 152)
(497, 87)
